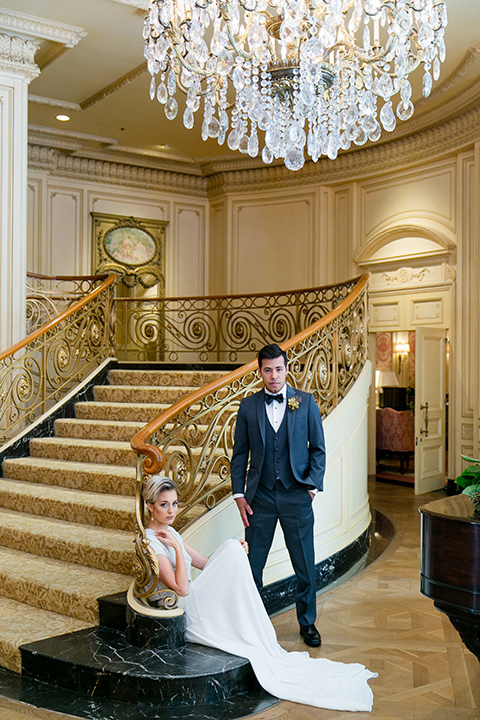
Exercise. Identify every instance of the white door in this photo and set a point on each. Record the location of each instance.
(430, 411)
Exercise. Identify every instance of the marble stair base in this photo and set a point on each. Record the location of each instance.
(99, 664)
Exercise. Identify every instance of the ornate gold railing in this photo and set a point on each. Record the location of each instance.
(41, 369)
(48, 296)
(192, 441)
(213, 328)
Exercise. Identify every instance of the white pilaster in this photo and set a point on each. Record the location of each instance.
(17, 68)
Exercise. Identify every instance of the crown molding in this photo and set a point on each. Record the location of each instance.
(40, 29)
(433, 143)
(90, 169)
(106, 164)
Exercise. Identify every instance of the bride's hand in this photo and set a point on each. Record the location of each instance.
(166, 537)
(244, 544)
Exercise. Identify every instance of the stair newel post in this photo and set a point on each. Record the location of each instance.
(154, 619)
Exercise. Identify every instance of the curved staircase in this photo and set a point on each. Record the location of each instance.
(67, 510)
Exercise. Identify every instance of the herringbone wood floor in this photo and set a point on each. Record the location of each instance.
(378, 618)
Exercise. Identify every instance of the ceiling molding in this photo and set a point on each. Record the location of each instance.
(458, 134)
(40, 29)
(39, 100)
(114, 86)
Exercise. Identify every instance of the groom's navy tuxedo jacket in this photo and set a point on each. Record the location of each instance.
(306, 443)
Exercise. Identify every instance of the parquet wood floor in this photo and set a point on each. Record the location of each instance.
(378, 618)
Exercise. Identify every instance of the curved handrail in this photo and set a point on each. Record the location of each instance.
(110, 279)
(198, 430)
(154, 457)
(38, 371)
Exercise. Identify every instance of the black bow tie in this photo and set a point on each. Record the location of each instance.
(271, 398)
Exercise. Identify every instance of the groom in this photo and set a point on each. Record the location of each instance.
(279, 430)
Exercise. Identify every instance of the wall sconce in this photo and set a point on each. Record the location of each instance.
(402, 350)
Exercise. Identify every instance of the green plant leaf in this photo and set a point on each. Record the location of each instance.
(472, 490)
(469, 459)
(470, 476)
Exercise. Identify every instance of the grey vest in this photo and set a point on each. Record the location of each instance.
(276, 462)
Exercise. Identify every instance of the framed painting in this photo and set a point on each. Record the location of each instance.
(134, 248)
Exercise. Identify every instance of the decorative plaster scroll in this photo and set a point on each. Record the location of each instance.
(40, 28)
(17, 56)
(405, 275)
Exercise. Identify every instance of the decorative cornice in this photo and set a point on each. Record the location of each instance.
(436, 142)
(113, 173)
(100, 164)
(39, 28)
(17, 56)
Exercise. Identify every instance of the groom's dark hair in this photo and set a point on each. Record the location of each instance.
(270, 352)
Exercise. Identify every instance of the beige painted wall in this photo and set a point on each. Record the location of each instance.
(60, 228)
(415, 229)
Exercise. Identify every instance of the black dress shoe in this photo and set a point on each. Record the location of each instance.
(310, 635)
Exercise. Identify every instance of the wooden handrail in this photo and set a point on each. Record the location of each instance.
(67, 277)
(59, 318)
(237, 296)
(154, 458)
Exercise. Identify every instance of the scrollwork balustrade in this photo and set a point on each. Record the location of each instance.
(40, 370)
(229, 328)
(49, 296)
(192, 442)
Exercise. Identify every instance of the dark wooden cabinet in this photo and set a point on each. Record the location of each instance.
(450, 569)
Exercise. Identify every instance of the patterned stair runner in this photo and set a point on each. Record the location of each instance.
(67, 511)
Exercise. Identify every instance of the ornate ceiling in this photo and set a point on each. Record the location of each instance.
(92, 68)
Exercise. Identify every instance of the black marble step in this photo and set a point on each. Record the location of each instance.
(100, 663)
(40, 695)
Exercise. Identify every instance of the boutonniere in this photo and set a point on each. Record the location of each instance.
(294, 403)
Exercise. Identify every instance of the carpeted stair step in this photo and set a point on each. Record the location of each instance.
(113, 511)
(93, 477)
(20, 624)
(119, 430)
(140, 394)
(56, 586)
(164, 378)
(105, 452)
(139, 412)
(103, 548)
(136, 412)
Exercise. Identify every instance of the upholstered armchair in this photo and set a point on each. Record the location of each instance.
(395, 433)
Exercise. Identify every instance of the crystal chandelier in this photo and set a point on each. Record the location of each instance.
(309, 74)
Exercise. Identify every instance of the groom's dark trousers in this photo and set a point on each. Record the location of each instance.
(284, 465)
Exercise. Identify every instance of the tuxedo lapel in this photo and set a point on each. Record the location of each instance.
(261, 414)
(290, 415)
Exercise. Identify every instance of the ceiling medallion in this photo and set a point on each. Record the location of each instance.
(309, 74)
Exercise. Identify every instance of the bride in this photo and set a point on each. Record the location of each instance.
(224, 610)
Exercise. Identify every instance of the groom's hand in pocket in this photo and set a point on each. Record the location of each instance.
(244, 509)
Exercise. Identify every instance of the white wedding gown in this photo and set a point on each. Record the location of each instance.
(224, 610)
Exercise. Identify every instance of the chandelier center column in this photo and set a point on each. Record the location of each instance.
(17, 69)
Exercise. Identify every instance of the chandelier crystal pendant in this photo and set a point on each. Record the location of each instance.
(309, 74)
